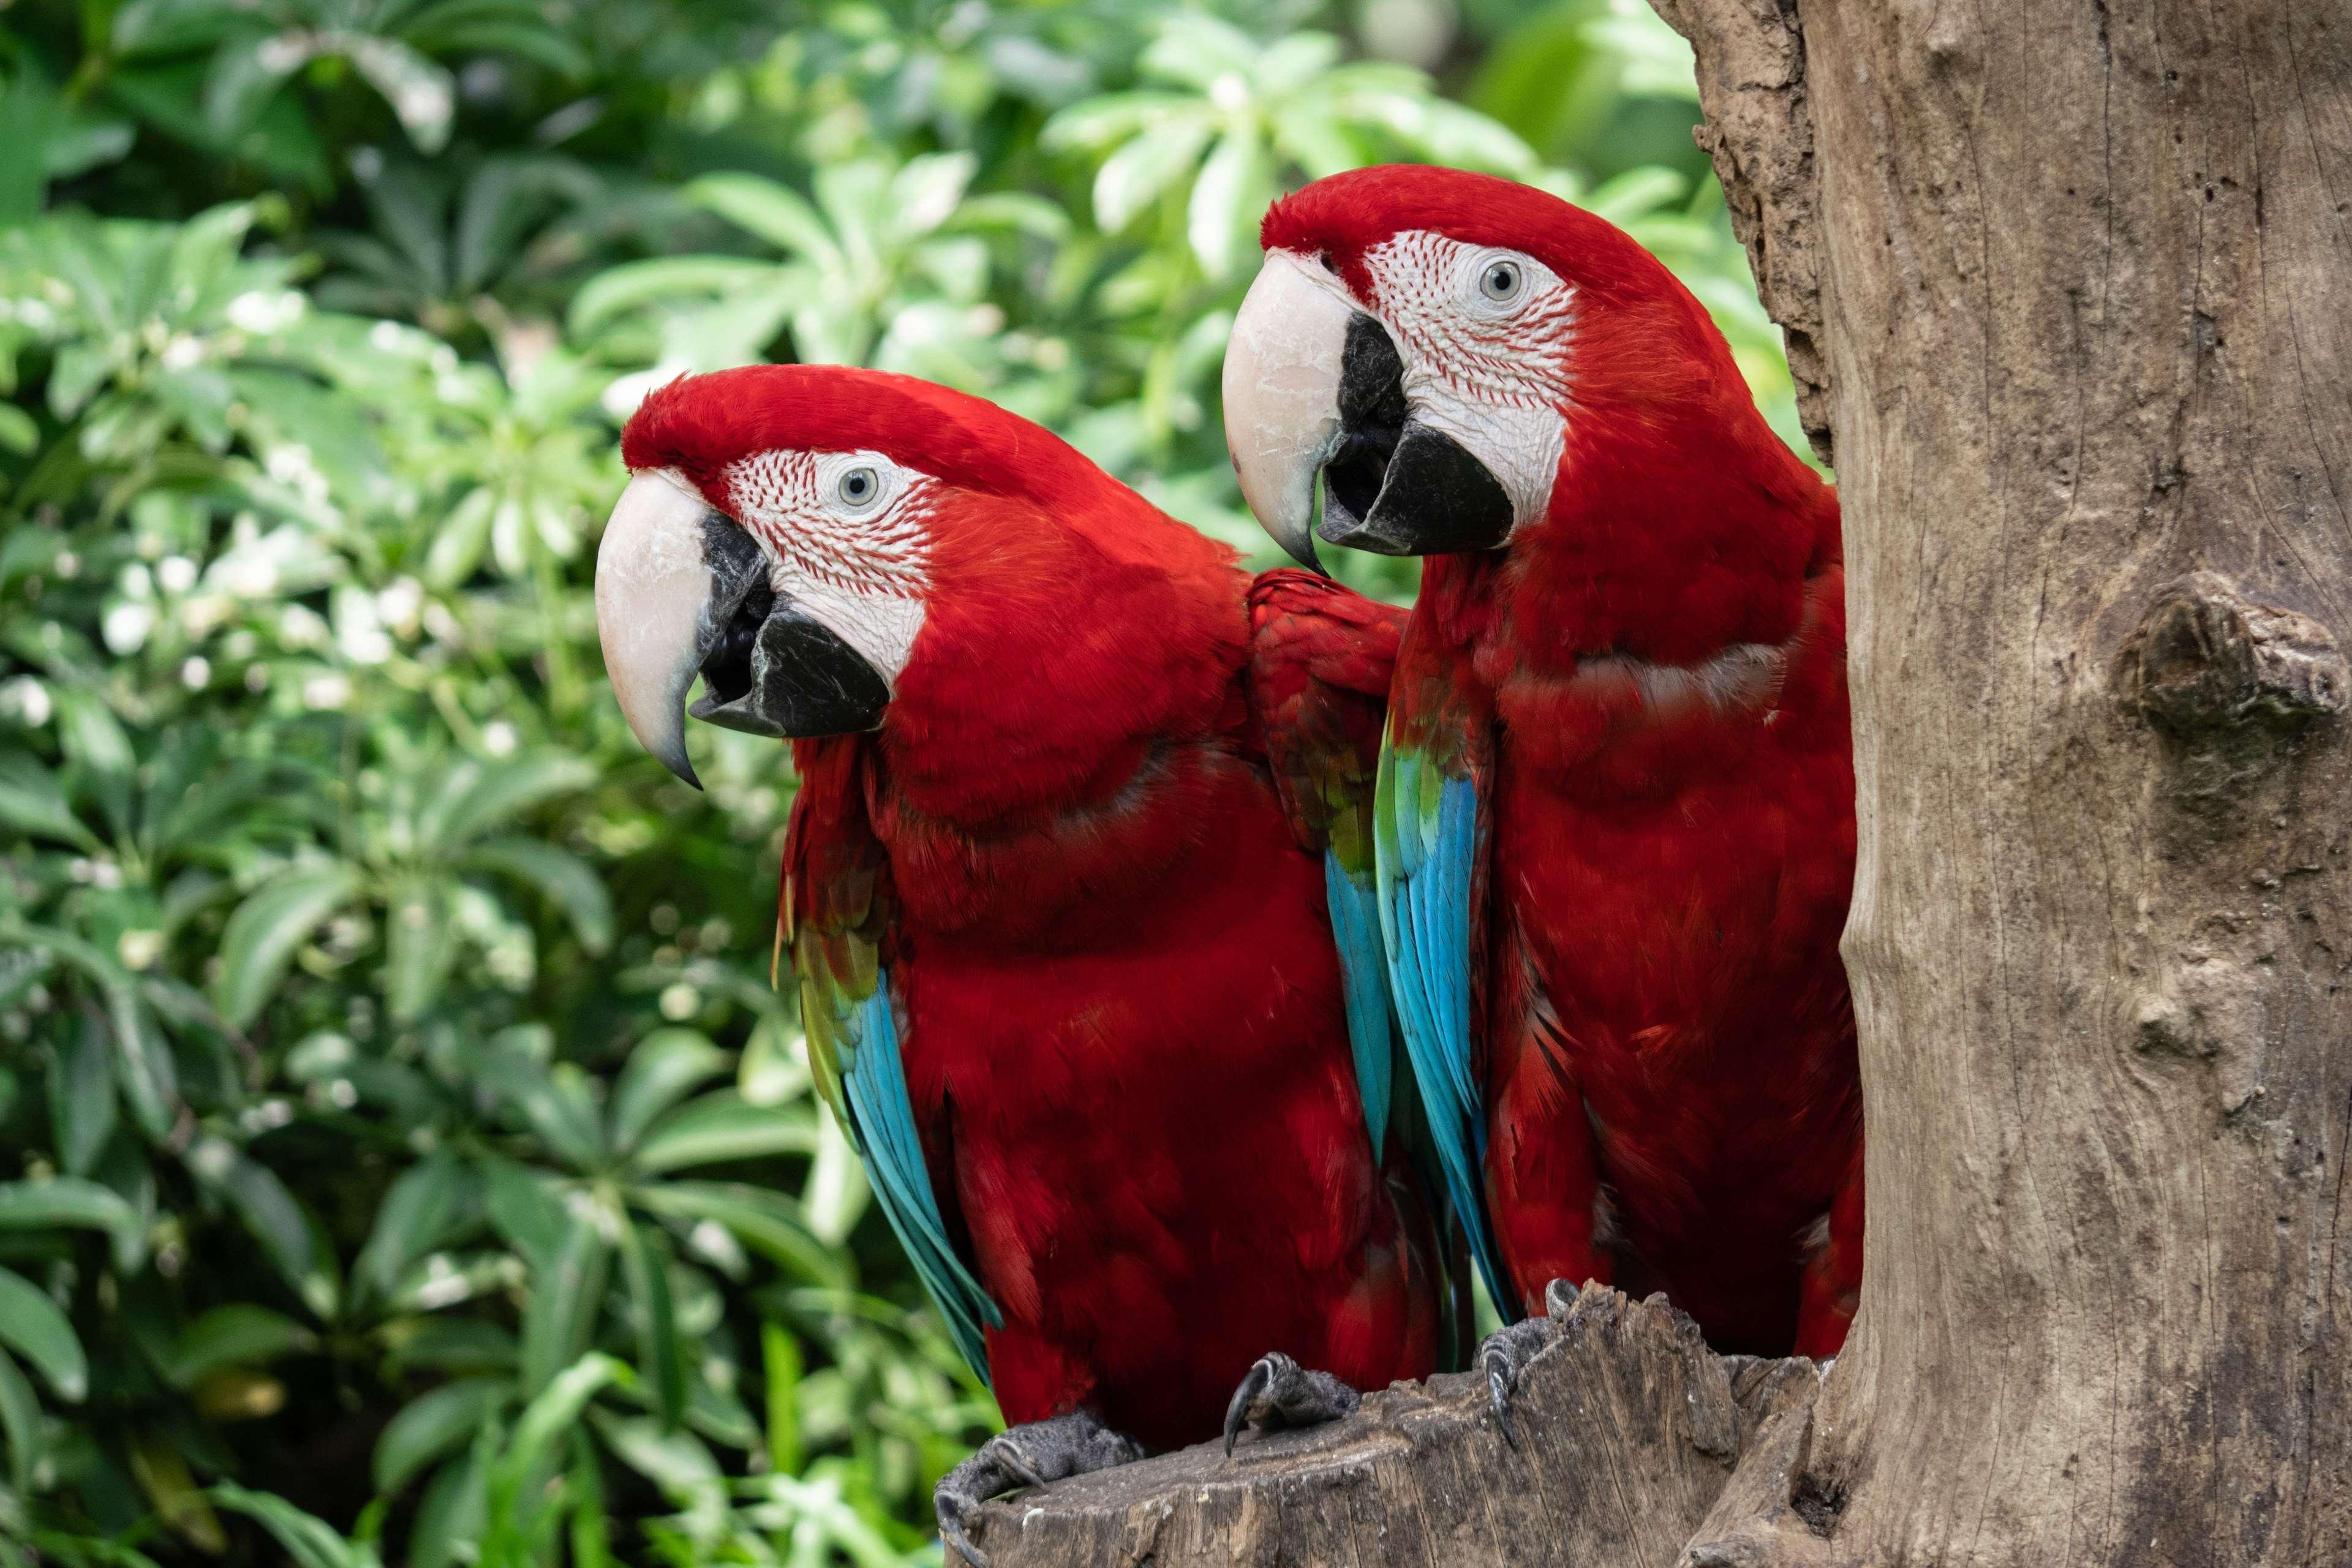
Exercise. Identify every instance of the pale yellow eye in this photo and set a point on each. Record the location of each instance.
(1501, 282)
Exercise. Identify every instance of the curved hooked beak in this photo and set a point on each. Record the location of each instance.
(1315, 386)
(682, 590)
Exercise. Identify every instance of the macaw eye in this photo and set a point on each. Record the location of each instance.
(1501, 282)
(858, 486)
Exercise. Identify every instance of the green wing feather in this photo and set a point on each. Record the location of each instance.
(836, 918)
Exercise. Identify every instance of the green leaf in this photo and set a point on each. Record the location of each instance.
(20, 1419)
(458, 545)
(1133, 177)
(564, 878)
(271, 1214)
(162, 1473)
(263, 935)
(619, 291)
(420, 947)
(661, 1357)
(434, 1424)
(531, 1219)
(767, 1222)
(551, 1415)
(451, 1516)
(478, 795)
(777, 214)
(722, 1126)
(414, 1217)
(422, 96)
(33, 800)
(71, 1200)
(31, 1325)
(1236, 186)
(557, 1102)
(310, 1541)
(781, 1355)
(564, 1304)
(81, 1093)
(666, 1066)
(240, 1334)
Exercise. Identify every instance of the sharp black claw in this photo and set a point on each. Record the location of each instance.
(952, 1535)
(1498, 1397)
(1012, 1460)
(1254, 1383)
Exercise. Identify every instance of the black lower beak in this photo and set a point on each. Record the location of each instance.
(775, 670)
(1395, 486)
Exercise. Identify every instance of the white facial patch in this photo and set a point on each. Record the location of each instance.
(1486, 336)
(845, 540)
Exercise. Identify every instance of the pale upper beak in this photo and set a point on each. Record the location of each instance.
(682, 590)
(1281, 395)
(1314, 388)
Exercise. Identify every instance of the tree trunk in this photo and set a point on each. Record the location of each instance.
(2072, 284)
(1627, 1427)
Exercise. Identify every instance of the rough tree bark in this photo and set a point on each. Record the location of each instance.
(2071, 283)
(2079, 279)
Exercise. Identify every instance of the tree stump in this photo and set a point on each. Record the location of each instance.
(1628, 1429)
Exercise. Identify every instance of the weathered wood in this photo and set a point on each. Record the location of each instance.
(2079, 280)
(1628, 1429)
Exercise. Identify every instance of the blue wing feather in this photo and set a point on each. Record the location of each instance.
(1426, 867)
(882, 1124)
(1363, 973)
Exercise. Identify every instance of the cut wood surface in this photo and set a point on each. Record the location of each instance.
(1628, 1429)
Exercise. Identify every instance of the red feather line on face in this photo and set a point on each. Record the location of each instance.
(701, 424)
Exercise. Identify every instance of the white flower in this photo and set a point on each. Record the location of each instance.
(326, 693)
(400, 606)
(248, 573)
(197, 673)
(177, 574)
(291, 465)
(299, 625)
(264, 311)
(27, 699)
(498, 738)
(138, 949)
(680, 1002)
(125, 625)
(200, 613)
(183, 353)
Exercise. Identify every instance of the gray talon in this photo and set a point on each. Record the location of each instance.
(1033, 1455)
(1277, 1392)
(1254, 1383)
(1499, 1378)
(1503, 1356)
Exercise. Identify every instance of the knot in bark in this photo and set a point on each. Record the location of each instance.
(2205, 660)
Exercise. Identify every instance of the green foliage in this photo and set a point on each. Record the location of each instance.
(408, 1161)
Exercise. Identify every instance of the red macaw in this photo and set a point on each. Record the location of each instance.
(1616, 833)
(1105, 1020)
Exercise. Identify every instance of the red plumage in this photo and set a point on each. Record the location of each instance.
(1119, 1000)
(1647, 685)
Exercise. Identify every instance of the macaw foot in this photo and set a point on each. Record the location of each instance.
(1026, 1455)
(1279, 1392)
(1503, 1356)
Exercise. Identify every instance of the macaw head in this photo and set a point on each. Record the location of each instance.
(1442, 348)
(814, 542)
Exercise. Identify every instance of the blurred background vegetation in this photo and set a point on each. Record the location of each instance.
(402, 1156)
